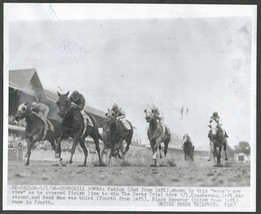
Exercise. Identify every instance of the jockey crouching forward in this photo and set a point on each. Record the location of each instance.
(78, 102)
(42, 111)
(120, 115)
(160, 118)
(215, 117)
(187, 141)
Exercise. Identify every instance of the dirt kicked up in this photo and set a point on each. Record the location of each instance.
(184, 174)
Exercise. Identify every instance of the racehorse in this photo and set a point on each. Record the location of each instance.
(188, 148)
(35, 129)
(73, 126)
(117, 134)
(157, 134)
(218, 137)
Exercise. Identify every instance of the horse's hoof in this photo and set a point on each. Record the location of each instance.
(218, 165)
(61, 159)
(82, 165)
(26, 164)
(161, 157)
(103, 164)
(70, 162)
(153, 165)
(226, 159)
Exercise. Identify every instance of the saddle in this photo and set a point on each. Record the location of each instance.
(125, 124)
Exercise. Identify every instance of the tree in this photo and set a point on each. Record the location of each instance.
(243, 147)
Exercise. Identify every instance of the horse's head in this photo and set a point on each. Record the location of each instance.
(21, 111)
(63, 103)
(185, 138)
(150, 114)
(110, 117)
(213, 128)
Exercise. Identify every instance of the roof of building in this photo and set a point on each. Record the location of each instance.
(28, 81)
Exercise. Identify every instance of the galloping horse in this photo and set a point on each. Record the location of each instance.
(35, 129)
(219, 140)
(118, 134)
(188, 148)
(157, 134)
(73, 126)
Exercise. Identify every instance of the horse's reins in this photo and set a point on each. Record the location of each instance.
(62, 107)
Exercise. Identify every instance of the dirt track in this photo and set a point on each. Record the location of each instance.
(183, 174)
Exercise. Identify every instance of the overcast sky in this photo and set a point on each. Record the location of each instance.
(136, 59)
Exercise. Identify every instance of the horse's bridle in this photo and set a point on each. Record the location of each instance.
(113, 118)
(62, 107)
(25, 114)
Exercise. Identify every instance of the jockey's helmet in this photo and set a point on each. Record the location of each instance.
(34, 104)
(75, 95)
(215, 114)
(115, 106)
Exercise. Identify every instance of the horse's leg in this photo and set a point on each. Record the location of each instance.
(225, 149)
(127, 146)
(96, 141)
(28, 153)
(122, 152)
(53, 144)
(75, 141)
(30, 145)
(219, 155)
(166, 145)
(85, 151)
(153, 144)
(128, 141)
(103, 150)
(211, 150)
(160, 151)
(58, 147)
(157, 152)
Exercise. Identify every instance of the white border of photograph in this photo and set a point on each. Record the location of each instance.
(22, 11)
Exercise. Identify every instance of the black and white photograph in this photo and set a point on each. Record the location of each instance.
(129, 107)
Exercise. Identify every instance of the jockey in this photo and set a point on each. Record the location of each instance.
(120, 115)
(216, 117)
(78, 102)
(160, 118)
(187, 141)
(42, 111)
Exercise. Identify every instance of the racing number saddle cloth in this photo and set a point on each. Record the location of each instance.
(165, 129)
(125, 124)
(86, 120)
